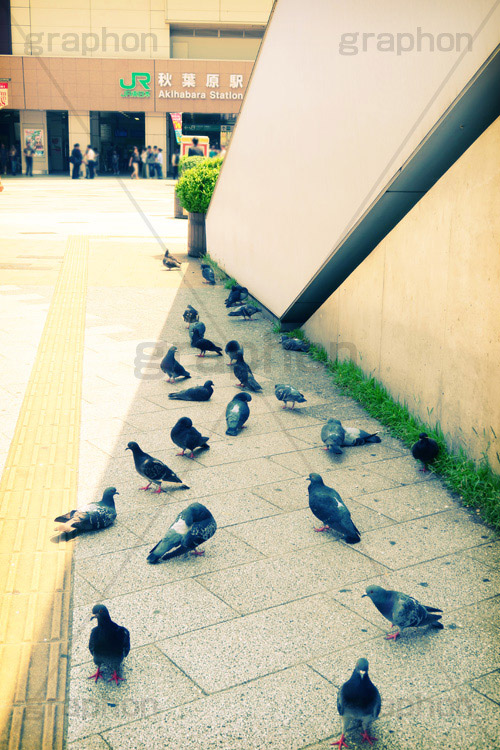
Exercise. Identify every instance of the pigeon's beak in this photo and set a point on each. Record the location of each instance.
(117, 493)
(362, 595)
(127, 448)
(94, 617)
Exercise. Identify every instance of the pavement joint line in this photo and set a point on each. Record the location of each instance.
(39, 482)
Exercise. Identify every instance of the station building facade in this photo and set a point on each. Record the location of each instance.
(95, 72)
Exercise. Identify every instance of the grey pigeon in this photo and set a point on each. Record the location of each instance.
(237, 413)
(170, 262)
(171, 367)
(208, 274)
(294, 345)
(245, 311)
(327, 505)
(205, 345)
(193, 526)
(92, 517)
(356, 436)
(190, 315)
(109, 643)
(245, 375)
(287, 393)
(236, 295)
(333, 436)
(152, 469)
(402, 611)
(233, 348)
(187, 437)
(196, 331)
(425, 450)
(358, 700)
(197, 393)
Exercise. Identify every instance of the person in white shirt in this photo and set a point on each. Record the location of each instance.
(90, 161)
(159, 164)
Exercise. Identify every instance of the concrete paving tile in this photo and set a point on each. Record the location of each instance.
(404, 470)
(153, 614)
(127, 571)
(284, 711)
(420, 664)
(487, 610)
(455, 581)
(489, 554)
(106, 406)
(425, 539)
(268, 641)
(151, 684)
(97, 428)
(245, 447)
(488, 685)
(94, 543)
(83, 592)
(268, 583)
(318, 460)
(94, 742)
(410, 501)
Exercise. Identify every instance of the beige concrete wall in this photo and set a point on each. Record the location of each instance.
(156, 133)
(79, 131)
(321, 135)
(74, 28)
(422, 312)
(207, 48)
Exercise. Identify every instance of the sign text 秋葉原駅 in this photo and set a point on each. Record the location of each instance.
(167, 89)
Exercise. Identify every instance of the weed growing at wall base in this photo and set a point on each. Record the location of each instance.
(477, 485)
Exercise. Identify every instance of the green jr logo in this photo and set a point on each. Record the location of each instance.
(144, 79)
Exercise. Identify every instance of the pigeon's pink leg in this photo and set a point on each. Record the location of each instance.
(115, 677)
(284, 406)
(240, 385)
(392, 636)
(201, 354)
(325, 447)
(146, 488)
(192, 455)
(322, 528)
(157, 492)
(341, 743)
(180, 454)
(96, 675)
(198, 552)
(366, 738)
(425, 469)
(293, 404)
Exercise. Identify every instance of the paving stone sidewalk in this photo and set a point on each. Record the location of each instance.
(246, 647)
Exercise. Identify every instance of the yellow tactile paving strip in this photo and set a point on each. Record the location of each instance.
(39, 482)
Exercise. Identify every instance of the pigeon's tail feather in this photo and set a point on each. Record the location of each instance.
(373, 438)
(233, 431)
(179, 551)
(172, 539)
(352, 538)
(433, 609)
(64, 527)
(437, 625)
(178, 396)
(252, 383)
(66, 517)
(218, 350)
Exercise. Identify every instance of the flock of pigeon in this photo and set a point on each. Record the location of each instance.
(358, 698)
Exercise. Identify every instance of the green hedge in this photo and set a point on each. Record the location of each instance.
(197, 184)
(188, 162)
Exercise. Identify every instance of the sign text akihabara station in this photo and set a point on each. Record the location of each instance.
(183, 86)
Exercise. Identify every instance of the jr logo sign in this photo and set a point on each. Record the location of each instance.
(138, 80)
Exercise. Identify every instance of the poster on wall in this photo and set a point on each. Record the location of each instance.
(177, 123)
(4, 93)
(33, 137)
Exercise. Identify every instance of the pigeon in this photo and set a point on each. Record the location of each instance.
(245, 375)
(425, 450)
(190, 315)
(236, 295)
(356, 436)
(237, 413)
(193, 526)
(197, 393)
(402, 611)
(205, 345)
(187, 437)
(333, 436)
(170, 262)
(233, 348)
(152, 469)
(287, 393)
(294, 345)
(358, 700)
(109, 643)
(208, 274)
(92, 517)
(196, 331)
(171, 367)
(327, 505)
(245, 311)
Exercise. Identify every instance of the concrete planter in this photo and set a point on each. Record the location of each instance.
(197, 239)
(179, 212)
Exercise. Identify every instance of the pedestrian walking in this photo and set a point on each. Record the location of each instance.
(134, 162)
(28, 155)
(115, 162)
(76, 160)
(159, 164)
(4, 155)
(89, 160)
(13, 160)
(175, 164)
(150, 161)
(195, 150)
(143, 167)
